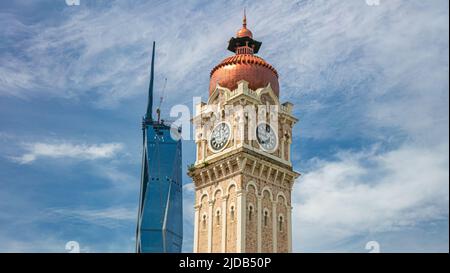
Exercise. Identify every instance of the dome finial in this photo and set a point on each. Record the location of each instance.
(244, 31)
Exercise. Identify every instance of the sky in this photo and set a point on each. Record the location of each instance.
(368, 78)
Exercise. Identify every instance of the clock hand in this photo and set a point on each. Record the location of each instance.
(264, 136)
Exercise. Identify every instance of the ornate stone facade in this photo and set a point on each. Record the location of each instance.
(243, 173)
(243, 194)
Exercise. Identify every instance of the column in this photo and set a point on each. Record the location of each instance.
(242, 131)
(210, 219)
(240, 199)
(283, 140)
(196, 223)
(289, 149)
(203, 150)
(224, 223)
(259, 231)
(274, 227)
(289, 226)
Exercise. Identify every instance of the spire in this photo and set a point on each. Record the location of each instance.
(244, 31)
(150, 88)
(243, 43)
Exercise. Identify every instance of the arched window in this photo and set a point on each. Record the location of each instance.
(266, 217)
(250, 213)
(218, 217)
(280, 223)
(232, 213)
(204, 221)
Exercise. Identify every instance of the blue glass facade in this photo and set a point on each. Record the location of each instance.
(160, 223)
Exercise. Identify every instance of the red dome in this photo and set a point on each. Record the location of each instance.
(253, 69)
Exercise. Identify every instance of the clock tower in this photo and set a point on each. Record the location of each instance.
(243, 172)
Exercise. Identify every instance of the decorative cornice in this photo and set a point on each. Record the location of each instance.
(281, 171)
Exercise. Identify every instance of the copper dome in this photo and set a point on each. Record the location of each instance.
(244, 65)
(253, 69)
(244, 32)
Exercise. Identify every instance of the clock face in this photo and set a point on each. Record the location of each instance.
(267, 138)
(219, 136)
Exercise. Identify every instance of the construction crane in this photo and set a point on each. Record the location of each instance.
(161, 98)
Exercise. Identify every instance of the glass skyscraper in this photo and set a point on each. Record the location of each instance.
(160, 218)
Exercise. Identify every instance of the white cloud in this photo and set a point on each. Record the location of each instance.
(106, 51)
(368, 193)
(189, 188)
(35, 244)
(319, 48)
(116, 219)
(67, 150)
(107, 217)
(123, 180)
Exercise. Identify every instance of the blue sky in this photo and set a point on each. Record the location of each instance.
(369, 83)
